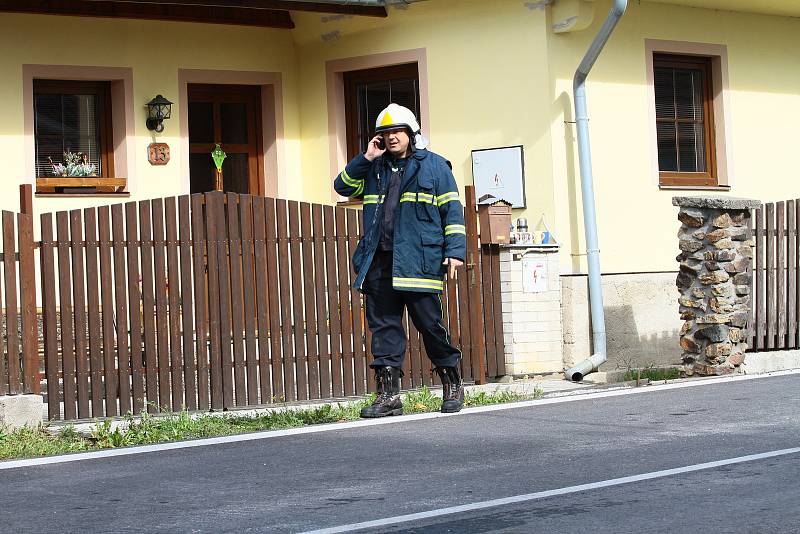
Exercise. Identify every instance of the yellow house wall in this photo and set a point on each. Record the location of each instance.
(497, 76)
(487, 79)
(155, 51)
(636, 221)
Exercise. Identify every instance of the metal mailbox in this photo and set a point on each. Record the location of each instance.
(495, 221)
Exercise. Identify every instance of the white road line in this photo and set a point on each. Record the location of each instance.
(267, 434)
(549, 493)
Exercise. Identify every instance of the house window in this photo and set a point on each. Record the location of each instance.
(72, 130)
(368, 92)
(684, 120)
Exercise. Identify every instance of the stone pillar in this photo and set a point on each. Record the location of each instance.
(714, 281)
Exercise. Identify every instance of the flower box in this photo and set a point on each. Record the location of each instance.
(103, 185)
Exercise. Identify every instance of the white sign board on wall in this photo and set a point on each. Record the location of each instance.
(534, 275)
(499, 172)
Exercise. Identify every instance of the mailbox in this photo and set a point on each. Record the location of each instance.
(495, 221)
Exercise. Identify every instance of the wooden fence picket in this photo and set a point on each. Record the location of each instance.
(97, 386)
(11, 306)
(236, 325)
(298, 325)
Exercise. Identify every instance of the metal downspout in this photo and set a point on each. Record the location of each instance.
(591, 364)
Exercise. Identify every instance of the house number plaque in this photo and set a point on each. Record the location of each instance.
(158, 153)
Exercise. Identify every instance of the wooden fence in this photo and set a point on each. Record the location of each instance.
(214, 301)
(775, 290)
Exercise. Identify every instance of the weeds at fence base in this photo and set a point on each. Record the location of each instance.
(653, 374)
(148, 429)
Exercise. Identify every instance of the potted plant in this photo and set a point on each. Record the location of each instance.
(76, 164)
(76, 171)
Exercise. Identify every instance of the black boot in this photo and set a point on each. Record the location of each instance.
(388, 400)
(452, 391)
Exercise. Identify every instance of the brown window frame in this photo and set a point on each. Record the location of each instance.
(351, 80)
(106, 181)
(710, 177)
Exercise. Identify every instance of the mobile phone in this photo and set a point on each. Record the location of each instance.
(381, 144)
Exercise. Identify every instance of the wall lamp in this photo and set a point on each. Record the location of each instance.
(158, 109)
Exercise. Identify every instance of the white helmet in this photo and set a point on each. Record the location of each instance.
(396, 116)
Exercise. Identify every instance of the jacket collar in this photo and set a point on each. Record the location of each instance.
(420, 154)
(412, 167)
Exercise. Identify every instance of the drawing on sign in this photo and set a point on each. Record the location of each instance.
(534, 275)
(499, 173)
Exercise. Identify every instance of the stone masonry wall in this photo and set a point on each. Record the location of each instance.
(714, 281)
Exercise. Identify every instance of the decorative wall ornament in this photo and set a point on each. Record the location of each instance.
(158, 153)
(218, 155)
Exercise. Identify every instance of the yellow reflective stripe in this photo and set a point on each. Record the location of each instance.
(420, 283)
(351, 182)
(447, 197)
(418, 286)
(450, 194)
(373, 199)
(455, 229)
(417, 197)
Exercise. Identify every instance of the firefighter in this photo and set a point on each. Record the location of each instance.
(413, 234)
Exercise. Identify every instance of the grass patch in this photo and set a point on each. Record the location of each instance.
(31, 442)
(147, 429)
(653, 374)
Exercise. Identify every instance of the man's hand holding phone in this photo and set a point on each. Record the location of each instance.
(375, 148)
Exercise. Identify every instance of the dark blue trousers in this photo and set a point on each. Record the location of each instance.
(385, 307)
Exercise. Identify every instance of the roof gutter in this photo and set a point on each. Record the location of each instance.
(591, 364)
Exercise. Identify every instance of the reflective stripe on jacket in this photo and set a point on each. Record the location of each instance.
(429, 224)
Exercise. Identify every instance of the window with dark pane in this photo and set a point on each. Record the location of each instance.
(684, 119)
(369, 91)
(72, 117)
(229, 116)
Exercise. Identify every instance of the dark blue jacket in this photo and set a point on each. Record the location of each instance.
(429, 224)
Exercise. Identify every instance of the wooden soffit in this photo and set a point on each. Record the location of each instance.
(786, 8)
(263, 13)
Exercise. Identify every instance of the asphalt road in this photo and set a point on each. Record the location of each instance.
(319, 480)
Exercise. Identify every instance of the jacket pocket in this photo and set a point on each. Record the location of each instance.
(426, 205)
(432, 254)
